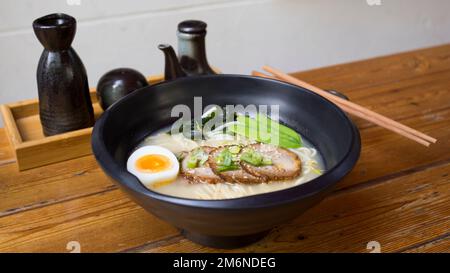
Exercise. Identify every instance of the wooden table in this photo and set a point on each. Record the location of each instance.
(398, 194)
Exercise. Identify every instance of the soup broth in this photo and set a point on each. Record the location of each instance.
(311, 167)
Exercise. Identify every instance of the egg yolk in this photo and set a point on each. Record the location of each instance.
(153, 163)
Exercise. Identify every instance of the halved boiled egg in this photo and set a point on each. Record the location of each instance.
(153, 165)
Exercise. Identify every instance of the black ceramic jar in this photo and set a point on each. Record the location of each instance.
(118, 83)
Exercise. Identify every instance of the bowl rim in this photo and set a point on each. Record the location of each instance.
(129, 182)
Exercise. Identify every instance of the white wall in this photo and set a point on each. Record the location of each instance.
(243, 34)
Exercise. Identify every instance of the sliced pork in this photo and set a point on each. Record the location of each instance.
(284, 163)
(237, 175)
(202, 173)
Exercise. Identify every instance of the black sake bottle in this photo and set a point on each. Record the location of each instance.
(191, 48)
(64, 100)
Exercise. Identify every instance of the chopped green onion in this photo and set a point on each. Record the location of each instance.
(197, 158)
(224, 158)
(221, 168)
(226, 161)
(254, 158)
(192, 162)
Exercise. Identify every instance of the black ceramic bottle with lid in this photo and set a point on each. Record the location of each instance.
(191, 48)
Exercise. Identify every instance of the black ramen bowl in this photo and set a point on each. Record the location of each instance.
(235, 222)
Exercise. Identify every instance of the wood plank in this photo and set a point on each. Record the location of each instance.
(103, 222)
(38, 187)
(397, 213)
(440, 245)
(6, 154)
(403, 99)
(54, 149)
(31, 130)
(353, 76)
(35, 149)
(385, 154)
(11, 130)
(25, 108)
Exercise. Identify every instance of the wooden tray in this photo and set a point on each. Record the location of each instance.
(31, 148)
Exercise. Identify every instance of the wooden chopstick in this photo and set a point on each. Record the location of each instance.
(296, 81)
(263, 75)
(362, 115)
(353, 108)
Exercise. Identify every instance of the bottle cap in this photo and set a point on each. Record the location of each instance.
(192, 27)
